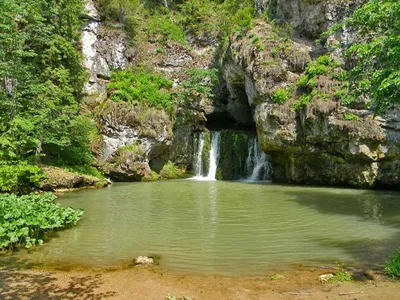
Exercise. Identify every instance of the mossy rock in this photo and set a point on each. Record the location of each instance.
(234, 150)
(170, 171)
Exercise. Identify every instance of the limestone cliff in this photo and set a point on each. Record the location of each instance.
(319, 142)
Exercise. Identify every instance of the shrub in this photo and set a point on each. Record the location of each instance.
(166, 28)
(200, 83)
(313, 69)
(200, 17)
(19, 177)
(280, 95)
(392, 268)
(303, 81)
(82, 130)
(137, 85)
(243, 18)
(26, 220)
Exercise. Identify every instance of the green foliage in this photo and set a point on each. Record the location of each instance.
(170, 171)
(138, 149)
(85, 170)
(377, 57)
(26, 220)
(200, 83)
(77, 150)
(341, 275)
(19, 177)
(255, 39)
(41, 79)
(216, 19)
(350, 117)
(200, 17)
(160, 24)
(392, 268)
(308, 82)
(139, 86)
(281, 95)
(277, 277)
(284, 30)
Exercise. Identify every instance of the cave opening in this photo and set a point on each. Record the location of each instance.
(233, 113)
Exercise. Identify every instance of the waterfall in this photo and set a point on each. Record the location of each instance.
(258, 165)
(198, 150)
(214, 155)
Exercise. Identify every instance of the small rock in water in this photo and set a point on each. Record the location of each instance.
(143, 260)
(325, 277)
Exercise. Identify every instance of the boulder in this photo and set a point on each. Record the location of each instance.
(143, 261)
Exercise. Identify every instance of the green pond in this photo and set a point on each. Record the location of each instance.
(230, 228)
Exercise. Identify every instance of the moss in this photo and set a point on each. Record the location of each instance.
(137, 149)
(153, 176)
(170, 171)
(101, 184)
(233, 155)
(350, 117)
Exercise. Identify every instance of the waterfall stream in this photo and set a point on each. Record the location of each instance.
(256, 168)
(214, 155)
(198, 150)
(258, 165)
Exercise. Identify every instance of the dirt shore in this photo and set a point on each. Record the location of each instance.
(154, 283)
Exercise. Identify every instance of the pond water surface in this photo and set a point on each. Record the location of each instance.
(230, 228)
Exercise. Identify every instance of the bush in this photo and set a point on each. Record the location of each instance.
(138, 85)
(280, 95)
(200, 17)
(164, 26)
(200, 83)
(392, 268)
(81, 131)
(19, 177)
(26, 220)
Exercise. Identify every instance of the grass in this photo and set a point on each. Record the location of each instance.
(341, 275)
(392, 268)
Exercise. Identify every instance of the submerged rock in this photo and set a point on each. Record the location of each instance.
(144, 261)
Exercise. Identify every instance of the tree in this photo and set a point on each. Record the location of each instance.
(41, 77)
(377, 70)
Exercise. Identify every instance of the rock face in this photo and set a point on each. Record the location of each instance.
(59, 179)
(318, 143)
(103, 49)
(309, 18)
(132, 140)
